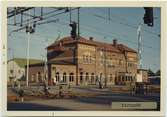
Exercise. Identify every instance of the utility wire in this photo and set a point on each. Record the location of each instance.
(123, 23)
(88, 27)
(45, 18)
(124, 35)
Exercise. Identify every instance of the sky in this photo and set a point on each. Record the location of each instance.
(97, 22)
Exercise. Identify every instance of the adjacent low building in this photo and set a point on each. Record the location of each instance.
(142, 75)
(16, 68)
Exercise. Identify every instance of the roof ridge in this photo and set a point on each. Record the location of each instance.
(110, 46)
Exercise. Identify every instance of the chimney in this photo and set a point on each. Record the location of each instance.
(91, 38)
(115, 42)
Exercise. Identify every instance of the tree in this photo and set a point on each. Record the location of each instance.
(151, 73)
(158, 73)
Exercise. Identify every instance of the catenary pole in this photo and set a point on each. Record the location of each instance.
(28, 45)
(139, 45)
(28, 54)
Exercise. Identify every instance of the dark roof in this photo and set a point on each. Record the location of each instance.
(60, 62)
(36, 64)
(142, 69)
(70, 40)
(125, 48)
(100, 45)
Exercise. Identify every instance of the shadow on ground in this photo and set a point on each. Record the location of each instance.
(32, 107)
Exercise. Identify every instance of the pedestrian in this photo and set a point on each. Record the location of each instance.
(54, 81)
(18, 85)
(21, 95)
(15, 84)
(133, 90)
(45, 89)
(60, 91)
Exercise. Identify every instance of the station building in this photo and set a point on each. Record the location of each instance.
(84, 61)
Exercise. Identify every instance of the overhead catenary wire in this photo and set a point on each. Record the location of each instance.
(93, 29)
(124, 23)
(44, 18)
(148, 46)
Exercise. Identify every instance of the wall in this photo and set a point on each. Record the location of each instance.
(63, 69)
(36, 74)
(18, 72)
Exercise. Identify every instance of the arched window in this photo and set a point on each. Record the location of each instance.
(71, 77)
(64, 77)
(57, 77)
(87, 77)
(39, 77)
(123, 78)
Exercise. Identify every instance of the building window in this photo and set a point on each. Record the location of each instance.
(92, 78)
(130, 64)
(87, 77)
(101, 75)
(64, 77)
(131, 78)
(110, 61)
(119, 78)
(33, 77)
(101, 60)
(90, 59)
(81, 77)
(39, 77)
(120, 62)
(11, 71)
(71, 77)
(110, 77)
(126, 78)
(87, 59)
(57, 77)
(84, 58)
(122, 78)
(101, 57)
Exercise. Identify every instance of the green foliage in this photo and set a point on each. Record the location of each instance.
(23, 78)
(158, 73)
(151, 73)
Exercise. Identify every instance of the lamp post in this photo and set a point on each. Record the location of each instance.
(139, 36)
(28, 45)
(29, 30)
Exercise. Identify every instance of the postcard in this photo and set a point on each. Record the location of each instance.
(76, 59)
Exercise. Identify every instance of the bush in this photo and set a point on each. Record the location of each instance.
(23, 78)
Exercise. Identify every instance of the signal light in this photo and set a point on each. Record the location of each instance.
(27, 29)
(148, 16)
(74, 28)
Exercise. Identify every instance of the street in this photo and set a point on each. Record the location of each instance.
(87, 99)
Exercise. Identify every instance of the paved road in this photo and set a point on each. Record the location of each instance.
(101, 101)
